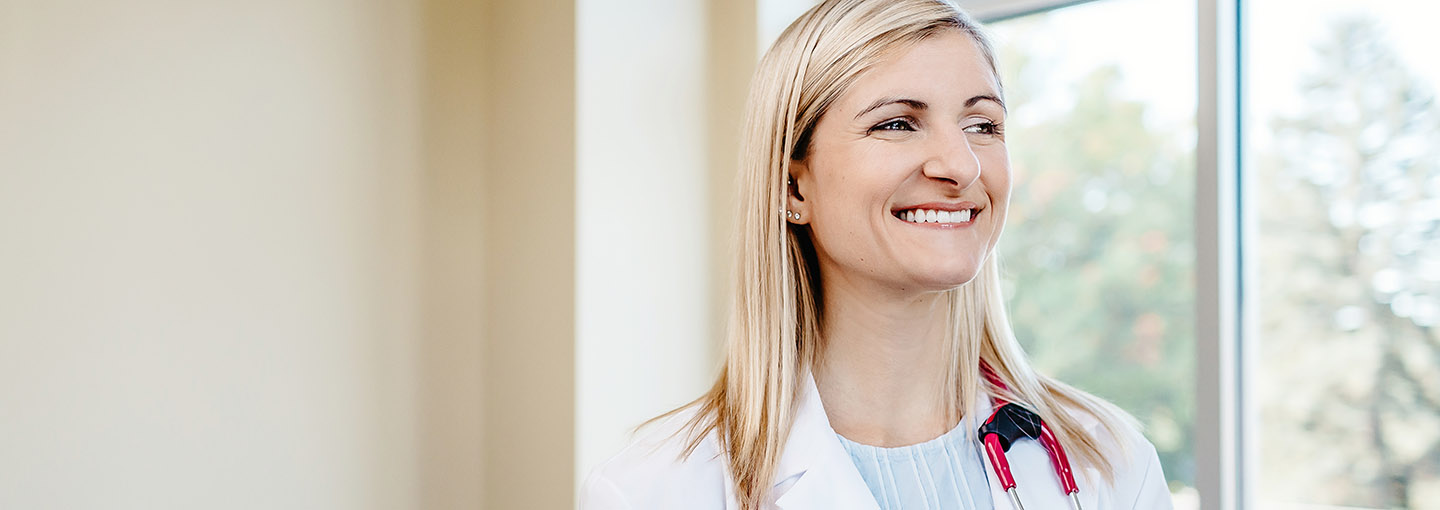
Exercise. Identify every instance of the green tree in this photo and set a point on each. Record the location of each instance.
(1349, 204)
(1099, 245)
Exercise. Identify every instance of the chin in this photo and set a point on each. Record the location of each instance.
(951, 279)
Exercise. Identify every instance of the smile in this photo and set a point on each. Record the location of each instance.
(937, 216)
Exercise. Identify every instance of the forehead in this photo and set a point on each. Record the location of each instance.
(945, 68)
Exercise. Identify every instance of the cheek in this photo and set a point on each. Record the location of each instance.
(995, 174)
(854, 184)
(996, 177)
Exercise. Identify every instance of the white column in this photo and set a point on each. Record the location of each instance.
(643, 217)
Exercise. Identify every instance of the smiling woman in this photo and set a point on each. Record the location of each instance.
(869, 354)
(891, 183)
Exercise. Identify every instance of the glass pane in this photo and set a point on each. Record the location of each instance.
(1342, 141)
(1099, 249)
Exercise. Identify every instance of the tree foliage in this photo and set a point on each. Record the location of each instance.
(1099, 249)
(1350, 289)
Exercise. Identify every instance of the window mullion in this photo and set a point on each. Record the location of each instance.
(1220, 359)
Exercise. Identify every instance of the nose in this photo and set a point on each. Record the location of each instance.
(953, 159)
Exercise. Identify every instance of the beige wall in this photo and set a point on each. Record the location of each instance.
(323, 254)
(731, 57)
(530, 256)
(210, 224)
(451, 396)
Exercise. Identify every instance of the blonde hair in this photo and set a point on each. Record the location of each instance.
(774, 328)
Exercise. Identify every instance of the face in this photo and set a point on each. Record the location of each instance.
(907, 178)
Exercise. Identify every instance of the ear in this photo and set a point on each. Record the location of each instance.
(797, 185)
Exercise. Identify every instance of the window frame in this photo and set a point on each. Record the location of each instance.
(990, 11)
(1225, 426)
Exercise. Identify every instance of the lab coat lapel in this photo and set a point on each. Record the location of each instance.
(815, 472)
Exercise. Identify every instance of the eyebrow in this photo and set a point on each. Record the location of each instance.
(920, 105)
(985, 97)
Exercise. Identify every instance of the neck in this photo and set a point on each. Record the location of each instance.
(883, 364)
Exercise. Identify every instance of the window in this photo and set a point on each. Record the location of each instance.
(1315, 264)
(1342, 164)
(1098, 255)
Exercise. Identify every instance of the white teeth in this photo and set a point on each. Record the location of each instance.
(933, 216)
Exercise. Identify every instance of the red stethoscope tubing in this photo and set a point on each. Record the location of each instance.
(1001, 465)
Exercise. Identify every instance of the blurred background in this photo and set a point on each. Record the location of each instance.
(443, 254)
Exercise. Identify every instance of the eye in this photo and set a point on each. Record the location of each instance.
(985, 128)
(894, 125)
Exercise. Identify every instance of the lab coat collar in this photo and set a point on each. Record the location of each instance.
(816, 472)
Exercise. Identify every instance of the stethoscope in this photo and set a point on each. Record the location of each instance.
(1007, 424)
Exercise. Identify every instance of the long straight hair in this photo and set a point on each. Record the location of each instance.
(774, 328)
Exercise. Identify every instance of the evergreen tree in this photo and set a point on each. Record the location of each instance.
(1349, 205)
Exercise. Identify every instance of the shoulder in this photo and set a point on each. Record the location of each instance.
(652, 471)
(1139, 481)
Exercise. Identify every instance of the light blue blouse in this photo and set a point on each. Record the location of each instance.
(942, 473)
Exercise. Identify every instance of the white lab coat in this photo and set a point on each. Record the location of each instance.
(815, 473)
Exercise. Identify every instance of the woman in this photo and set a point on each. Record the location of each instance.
(868, 337)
